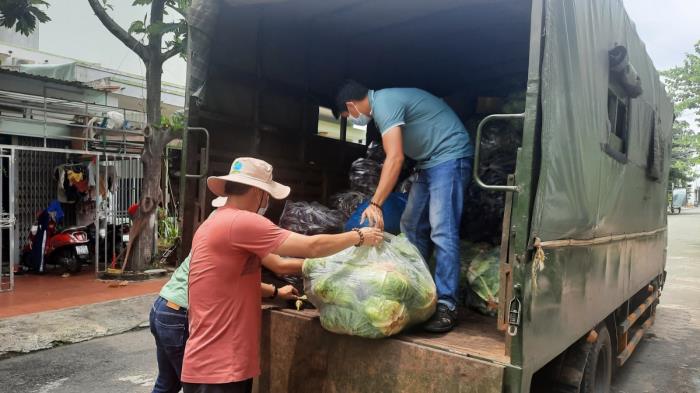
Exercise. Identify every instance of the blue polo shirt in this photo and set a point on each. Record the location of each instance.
(432, 132)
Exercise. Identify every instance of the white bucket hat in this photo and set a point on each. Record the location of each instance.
(249, 171)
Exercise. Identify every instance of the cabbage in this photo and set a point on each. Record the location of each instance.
(344, 320)
(371, 292)
(330, 292)
(480, 277)
(312, 264)
(386, 315)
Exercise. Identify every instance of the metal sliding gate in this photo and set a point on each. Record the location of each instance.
(30, 178)
(112, 214)
(7, 220)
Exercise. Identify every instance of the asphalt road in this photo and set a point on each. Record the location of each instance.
(124, 363)
(668, 360)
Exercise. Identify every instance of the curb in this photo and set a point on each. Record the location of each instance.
(50, 329)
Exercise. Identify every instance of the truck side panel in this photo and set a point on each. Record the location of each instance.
(579, 287)
(608, 204)
(298, 355)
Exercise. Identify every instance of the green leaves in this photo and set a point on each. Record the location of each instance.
(107, 5)
(175, 123)
(162, 28)
(173, 33)
(137, 27)
(685, 154)
(22, 15)
(683, 84)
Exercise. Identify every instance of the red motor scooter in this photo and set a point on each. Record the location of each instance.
(67, 247)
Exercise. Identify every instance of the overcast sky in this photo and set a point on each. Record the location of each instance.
(669, 28)
(75, 31)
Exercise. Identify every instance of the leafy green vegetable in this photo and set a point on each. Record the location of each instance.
(344, 320)
(386, 315)
(480, 276)
(371, 291)
(312, 264)
(333, 292)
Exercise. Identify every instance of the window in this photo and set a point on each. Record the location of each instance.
(656, 153)
(618, 122)
(330, 127)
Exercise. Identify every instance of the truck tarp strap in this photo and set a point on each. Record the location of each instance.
(595, 241)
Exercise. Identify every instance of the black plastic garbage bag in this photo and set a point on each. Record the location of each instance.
(364, 175)
(311, 218)
(347, 202)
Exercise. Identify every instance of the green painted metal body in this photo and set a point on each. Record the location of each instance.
(572, 189)
(517, 379)
(566, 187)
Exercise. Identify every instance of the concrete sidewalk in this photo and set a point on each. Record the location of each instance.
(43, 330)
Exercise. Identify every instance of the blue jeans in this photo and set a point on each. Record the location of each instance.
(169, 328)
(432, 218)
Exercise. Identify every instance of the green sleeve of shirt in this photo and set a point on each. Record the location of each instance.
(175, 290)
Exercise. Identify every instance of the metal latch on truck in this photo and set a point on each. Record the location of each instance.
(514, 312)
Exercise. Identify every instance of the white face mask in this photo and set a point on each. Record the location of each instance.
(361, 119)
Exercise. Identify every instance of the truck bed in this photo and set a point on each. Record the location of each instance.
(476, 336)
(298, 355)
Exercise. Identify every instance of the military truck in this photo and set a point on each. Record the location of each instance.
(583, 234)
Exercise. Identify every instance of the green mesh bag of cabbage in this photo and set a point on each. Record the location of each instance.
(371, 292)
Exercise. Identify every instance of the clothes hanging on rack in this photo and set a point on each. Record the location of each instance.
(105, 207)
(92, 173)
(74, 181)
(78, 178)
(85, 213)
(60, 176)
(74, 175)
(109, 180)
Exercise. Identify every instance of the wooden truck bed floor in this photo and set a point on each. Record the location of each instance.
(475, 336)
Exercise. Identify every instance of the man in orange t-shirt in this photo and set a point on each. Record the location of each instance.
(222, 352)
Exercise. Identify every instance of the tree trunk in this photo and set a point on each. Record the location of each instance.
(151, 193)
(141, 251)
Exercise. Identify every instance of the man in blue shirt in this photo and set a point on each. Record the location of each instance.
(423, 127)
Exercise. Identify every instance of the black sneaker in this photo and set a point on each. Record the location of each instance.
(442, 321)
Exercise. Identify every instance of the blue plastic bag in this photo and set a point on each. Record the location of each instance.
(393, 208)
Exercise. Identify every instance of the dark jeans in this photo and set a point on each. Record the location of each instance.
(169, 328)
(233, 387)
(432, 218)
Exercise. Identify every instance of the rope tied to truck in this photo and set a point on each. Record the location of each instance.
(537, 262)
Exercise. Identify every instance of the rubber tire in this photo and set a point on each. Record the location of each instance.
(71, 261)
(597, 376)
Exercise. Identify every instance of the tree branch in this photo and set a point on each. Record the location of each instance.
(171, 135)
(116, 30)
(175, 50)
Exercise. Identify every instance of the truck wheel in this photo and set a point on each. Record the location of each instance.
(597, 376)
(586, 367)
